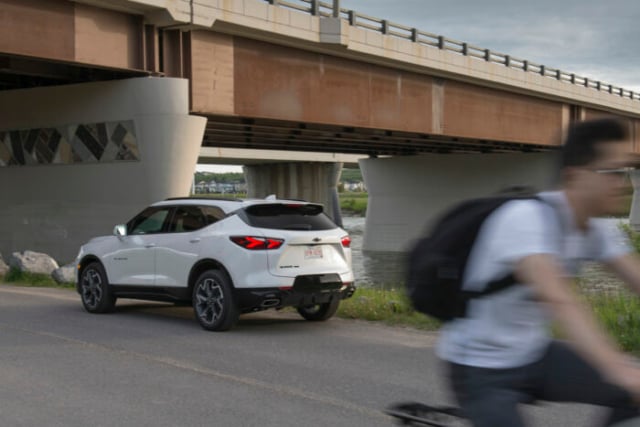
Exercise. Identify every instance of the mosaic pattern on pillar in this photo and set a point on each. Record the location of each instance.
(71, 144)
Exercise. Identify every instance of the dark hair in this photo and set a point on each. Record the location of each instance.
(581, 144)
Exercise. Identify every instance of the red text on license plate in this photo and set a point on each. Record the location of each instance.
(313, 252)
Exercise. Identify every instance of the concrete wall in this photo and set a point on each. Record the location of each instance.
(407, 193)
(313, 182)
(56, 207)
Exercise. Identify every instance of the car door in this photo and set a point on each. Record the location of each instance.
(133, 263)
(178, 250)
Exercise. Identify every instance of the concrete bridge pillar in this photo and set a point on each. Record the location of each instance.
(634, 213)
(75, 160)
(407, 193)
(313, 182)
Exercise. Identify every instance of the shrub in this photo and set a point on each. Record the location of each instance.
(355, 203)
(634, 237)
(619, 312)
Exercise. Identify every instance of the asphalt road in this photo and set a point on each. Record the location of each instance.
(151, 364)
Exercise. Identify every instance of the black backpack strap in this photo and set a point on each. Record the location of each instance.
(491, 288)
(498, 285)
(510, 279)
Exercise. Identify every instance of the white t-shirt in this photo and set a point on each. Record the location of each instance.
(510, 328)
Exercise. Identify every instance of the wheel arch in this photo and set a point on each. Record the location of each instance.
(86, 260)
(202, 266)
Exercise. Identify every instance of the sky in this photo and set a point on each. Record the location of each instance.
(591, 38)
(218, 168)
(595, 39)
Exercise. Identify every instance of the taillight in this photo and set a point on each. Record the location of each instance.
(257, 243)
(346, 242)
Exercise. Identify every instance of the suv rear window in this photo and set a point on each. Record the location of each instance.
(287, 217)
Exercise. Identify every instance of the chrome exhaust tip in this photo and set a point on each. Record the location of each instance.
(270, 302)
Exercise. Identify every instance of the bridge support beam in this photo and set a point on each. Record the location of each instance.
(406, 193)
(634, 214)
(314, 182)
(76, 160)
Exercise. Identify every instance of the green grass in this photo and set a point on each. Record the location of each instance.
(634, 237)
(17, 277)
(388, 306)
(354, 203)
(619, 313)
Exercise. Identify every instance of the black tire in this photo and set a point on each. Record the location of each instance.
(95, 291)
(320, 312)
(214, 303)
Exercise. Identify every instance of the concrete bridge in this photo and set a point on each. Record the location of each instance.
(107, 105)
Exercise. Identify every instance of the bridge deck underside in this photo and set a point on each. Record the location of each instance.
(265, 134)
(22, 72)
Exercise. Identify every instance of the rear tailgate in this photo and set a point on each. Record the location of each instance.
(310, 253)
(312, 242)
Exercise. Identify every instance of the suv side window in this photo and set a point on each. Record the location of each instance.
(212, 214)
(149, 221)
(186, 219)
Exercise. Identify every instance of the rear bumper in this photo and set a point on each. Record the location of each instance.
(306, 290)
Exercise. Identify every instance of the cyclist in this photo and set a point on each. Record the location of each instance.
(501, 353)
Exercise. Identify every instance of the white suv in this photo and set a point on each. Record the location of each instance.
(225, 257)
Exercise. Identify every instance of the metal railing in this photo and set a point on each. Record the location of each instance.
(383, 26)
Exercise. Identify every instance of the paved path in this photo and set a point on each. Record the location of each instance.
(152, 365)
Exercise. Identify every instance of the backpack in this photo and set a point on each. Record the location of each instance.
(437, 261)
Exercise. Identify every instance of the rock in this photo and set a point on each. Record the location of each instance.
(4, 268)
(65, 274)
(33, 262)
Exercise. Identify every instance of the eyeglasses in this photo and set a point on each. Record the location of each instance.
(620, 172)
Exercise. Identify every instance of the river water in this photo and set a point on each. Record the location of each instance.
(372, 269)
(386, 270)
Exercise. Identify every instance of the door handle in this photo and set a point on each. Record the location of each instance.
(150, 245)
(196, 240)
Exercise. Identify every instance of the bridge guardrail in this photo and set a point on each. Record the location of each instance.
(383, 26)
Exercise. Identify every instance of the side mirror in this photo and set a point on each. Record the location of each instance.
(120, 230)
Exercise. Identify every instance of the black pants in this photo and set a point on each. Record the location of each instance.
(490, 397)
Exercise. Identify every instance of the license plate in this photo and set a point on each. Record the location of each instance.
(313, 252)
